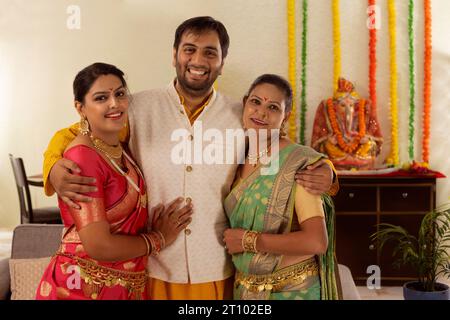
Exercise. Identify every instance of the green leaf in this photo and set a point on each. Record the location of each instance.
(428, 253)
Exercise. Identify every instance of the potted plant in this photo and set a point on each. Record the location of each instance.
(428, 253)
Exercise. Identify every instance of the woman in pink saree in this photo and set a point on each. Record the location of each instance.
(106, 242)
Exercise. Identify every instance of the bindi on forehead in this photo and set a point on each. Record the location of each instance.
(97, 90)
(265, 99)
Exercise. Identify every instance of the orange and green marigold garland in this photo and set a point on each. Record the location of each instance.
(393, 158)
(292, 129)
(412, 80)
(373, 64)
(336, 43)
(427, 84)
(303, 105)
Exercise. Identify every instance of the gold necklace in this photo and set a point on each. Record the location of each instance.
(254, 158)
(134, 185)
(114, 152)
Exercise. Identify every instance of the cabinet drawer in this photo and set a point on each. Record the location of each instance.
(409, 199)
(356, 199)
(353, 245)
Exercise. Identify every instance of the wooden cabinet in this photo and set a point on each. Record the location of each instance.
(365, 201)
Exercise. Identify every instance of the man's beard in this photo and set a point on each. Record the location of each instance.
(195, 89)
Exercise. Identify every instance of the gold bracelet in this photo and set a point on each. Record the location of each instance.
(147, 244)
(163, 240)
(249, 241)
(155, 241)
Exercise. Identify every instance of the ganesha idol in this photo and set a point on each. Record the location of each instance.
(347, 130)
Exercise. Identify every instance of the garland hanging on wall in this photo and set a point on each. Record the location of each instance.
(393, 158)
(427, 84)
(303, 105)
(292, 130)
(412, 80)
(373, 64)
(336, 43)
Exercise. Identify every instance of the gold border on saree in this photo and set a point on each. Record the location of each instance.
(295, 274)
(93, 273)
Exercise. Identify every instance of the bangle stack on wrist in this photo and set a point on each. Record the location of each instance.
(147, 243)
(155, 242)
(163, 240)
(249, 241)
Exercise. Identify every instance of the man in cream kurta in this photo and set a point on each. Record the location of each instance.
(198, 254)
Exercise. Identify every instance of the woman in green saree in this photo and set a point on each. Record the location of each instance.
(278, 237)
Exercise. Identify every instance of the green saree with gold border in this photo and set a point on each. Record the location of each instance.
(265, 203)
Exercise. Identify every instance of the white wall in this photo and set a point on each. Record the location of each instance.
(39, 57)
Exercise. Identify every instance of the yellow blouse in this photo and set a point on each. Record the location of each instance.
(56, 148)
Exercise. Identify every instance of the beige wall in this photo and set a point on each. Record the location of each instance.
(39, 57)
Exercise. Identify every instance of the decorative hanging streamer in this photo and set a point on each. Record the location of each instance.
(393, 158)
(427, 84)
(292, 132)
(412, 80)
(303, 105)
(373, 63)
(336, 43)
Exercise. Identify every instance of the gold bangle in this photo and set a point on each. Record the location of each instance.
(154, 249)
(163, 240)
(249, 241)
(254, 242)
(155, 241)
(147, 244)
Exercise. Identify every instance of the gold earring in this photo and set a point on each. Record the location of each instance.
(283, 132)
(84, 126)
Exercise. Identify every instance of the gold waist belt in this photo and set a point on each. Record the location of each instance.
(97, 275)
(295, 274)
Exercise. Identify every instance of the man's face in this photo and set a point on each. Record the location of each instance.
(198, 61)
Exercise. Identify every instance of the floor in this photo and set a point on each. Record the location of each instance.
(385, 293)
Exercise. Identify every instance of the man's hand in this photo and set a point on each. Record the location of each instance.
(232, 238)
(317, 178)
(69, 186)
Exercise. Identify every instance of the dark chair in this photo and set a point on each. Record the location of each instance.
(28, 214)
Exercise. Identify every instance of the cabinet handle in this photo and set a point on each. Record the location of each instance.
(371, 247)
(351, 195)
(405, 195)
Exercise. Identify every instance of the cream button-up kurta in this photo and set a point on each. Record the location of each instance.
(155, 116)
